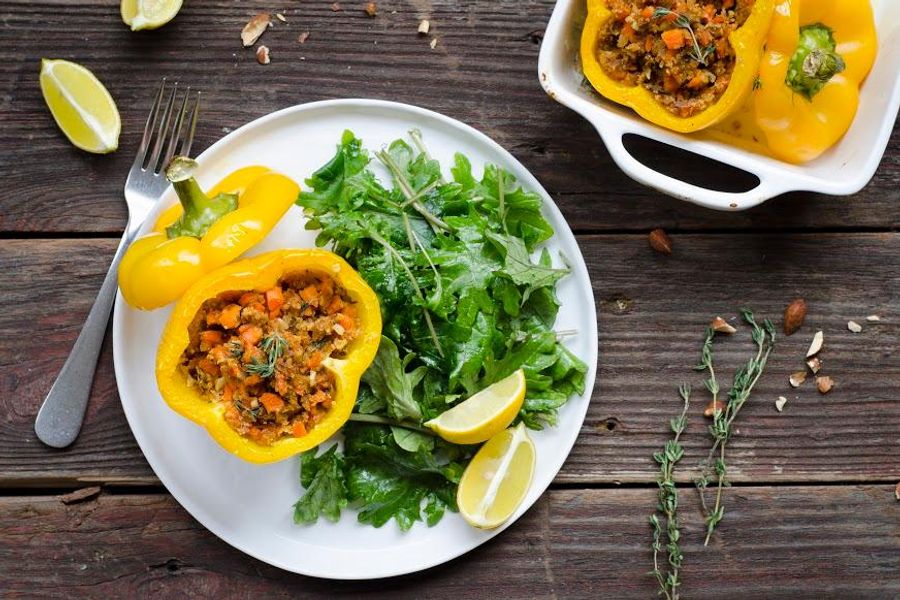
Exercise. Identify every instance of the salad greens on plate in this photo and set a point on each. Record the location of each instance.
(466, 300)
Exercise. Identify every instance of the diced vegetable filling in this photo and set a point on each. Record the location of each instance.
(262, 353)
(677, 49)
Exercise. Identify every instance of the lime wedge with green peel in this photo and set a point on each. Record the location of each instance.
(497, 479)
(148, 14)
(82, 107)
(483, 415)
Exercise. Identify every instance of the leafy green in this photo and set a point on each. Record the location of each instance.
(466, 299)
(323, 478)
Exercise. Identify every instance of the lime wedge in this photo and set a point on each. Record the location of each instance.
(82, 107)
(497, 479)
(483, 415)
(148, 14)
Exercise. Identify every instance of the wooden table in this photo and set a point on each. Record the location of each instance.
(812, 513)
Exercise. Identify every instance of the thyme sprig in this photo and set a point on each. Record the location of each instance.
(697, 53)
(668, 505)
(274, 345)
(745, 380)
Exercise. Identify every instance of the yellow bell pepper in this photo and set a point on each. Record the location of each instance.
(817, 55)
(261, 273)
(747, 42)
(203, 232)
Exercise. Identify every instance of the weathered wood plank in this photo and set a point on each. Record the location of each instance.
(483, 71)
(652, 312)
(783, 542)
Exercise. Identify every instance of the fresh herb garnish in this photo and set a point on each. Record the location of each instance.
(235, 349)
(701, 55)
(464, 304)
(721, 430)
(668, 505)
(273, 345)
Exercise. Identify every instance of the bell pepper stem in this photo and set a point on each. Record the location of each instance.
(814, 62)
(200, 211)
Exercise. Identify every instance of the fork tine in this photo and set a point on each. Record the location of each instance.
(151, 124)
(162, 131)
(175, 132)
(195, 115)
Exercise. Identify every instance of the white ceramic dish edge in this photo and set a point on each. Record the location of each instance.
(370, 571)
(843, 170)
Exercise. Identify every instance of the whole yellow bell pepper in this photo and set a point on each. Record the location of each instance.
(258, 274)
(203, 232)
(817, 55)
(747, 42)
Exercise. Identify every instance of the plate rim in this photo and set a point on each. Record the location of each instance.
(182, 495)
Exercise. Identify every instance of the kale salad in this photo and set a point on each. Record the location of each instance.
(466, 300)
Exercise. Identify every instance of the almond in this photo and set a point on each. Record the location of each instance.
(371, 9)
(897, 492)
(336, 7)
(779, 404)
(797, 379)
(660, 241)
(424, 27)
(303, 37)
(722, 326)
(873, 318)
(254, 28)
(794, 314)
(814, 364)
(824, 384)
(854, 326)
(713, 407)
(262, 55)
(816, 346)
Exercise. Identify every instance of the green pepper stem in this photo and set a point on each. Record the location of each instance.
(200, 211)
(814, 62)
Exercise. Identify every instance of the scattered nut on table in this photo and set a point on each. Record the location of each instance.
(854, 326)
(722, 326)
(824, 384)
(262, 55)
(779, 404)
(816, 346)
(797, 379)
(254, 28)
(794, 315)
(660, 241)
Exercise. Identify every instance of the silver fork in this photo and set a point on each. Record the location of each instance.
(168, 131)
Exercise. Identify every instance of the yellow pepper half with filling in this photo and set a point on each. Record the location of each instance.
(203, 232)
(261, 273)
(746, 42)
(817, 55)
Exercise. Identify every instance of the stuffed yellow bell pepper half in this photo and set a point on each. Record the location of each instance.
(266, 353)
(817, 55)
(203, 232)
(682, 64)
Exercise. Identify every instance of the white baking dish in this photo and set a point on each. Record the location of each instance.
(843, 170)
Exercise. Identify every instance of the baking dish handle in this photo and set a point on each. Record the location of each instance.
(770, 185)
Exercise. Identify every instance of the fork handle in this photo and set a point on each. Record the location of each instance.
(59, 420)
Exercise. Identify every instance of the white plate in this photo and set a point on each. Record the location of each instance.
(250, 507)
(844, 169)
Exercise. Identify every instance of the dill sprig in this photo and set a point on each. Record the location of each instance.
(745, 380)
(697, 53)
(274, 346)
(668, 505)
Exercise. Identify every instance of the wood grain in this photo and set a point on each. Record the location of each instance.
(788, 543)
(482, 72)
(652, 311)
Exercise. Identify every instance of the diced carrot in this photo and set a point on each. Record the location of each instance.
(212, 317)
(326, 285)
(252, 353)
(228, 393)
(250, 334)
(248, 298)
(272, 402)
(251, 380)
(335, 305)
(210, 338)
(721, 48)
(628, 32)
(319, 397)
(274, 300)
(697, 81)
(298, 428)
(208, 366)
(231, 316)
(727, 4)
(280, 385)
(670, 84)
(673, 38)
(346, 322)
(219, 353)
(704, 37)
(648, 11)
(314, 360)
(309, 293)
